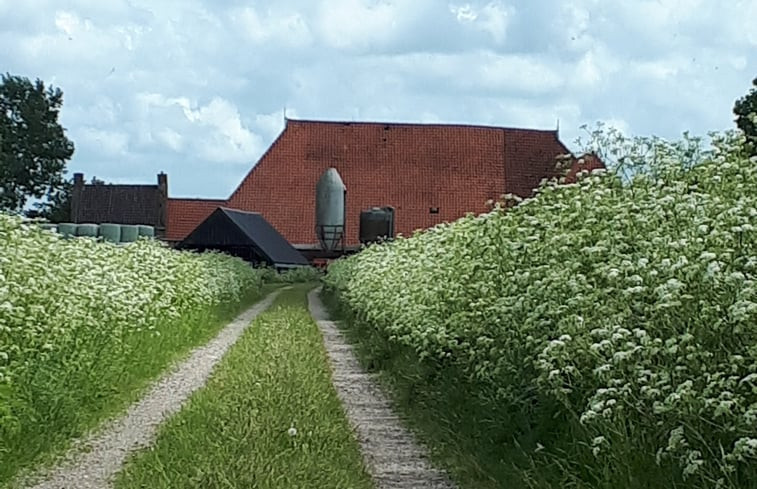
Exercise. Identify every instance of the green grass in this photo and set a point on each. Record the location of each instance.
(233, 432)
(478, 442)
(76, 402)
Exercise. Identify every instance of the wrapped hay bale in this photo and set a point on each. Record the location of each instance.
(147, 231)
(87, 230)
(67, 229)
(110, 232)
(129, 233)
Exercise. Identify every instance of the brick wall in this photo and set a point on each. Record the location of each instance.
(411, 167)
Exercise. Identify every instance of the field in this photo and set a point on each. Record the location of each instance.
(85, 325)
(603, 334)
(269, 417)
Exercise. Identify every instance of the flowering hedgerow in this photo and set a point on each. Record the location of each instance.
(78, 307)
(629, 305)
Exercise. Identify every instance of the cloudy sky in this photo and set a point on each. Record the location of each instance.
(198, 88)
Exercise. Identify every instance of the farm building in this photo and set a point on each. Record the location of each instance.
(122, 204)
(428, 173)
(246, 235)
(424, 173)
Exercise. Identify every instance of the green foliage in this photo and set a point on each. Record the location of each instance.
(625, 308)
(458, 420)
(629, 156)
(269, 417)
(745, 110)
(57, 207)
(85, 324)
(302, 275)
(269, 275)
(291, 276)
(33, 146)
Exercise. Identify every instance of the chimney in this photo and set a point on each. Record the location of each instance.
(76, 196)
(163, 181)
(162, 203)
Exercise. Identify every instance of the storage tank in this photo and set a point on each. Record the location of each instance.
(147, 231)
(67, 229)
(376, 224)
(87, 230)
(110, 232)
(129, 233)
(330, 199)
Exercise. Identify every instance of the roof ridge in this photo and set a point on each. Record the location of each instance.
(197, 199)
(417, 124)
(240, 211)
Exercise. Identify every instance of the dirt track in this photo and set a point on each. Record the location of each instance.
(391, 454)
(94, 461)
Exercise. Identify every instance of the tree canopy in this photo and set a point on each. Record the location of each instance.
(34, 148)
(745, 110)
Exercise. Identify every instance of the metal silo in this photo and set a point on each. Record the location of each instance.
(330, 198)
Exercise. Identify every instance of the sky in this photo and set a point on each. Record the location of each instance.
(199, 88)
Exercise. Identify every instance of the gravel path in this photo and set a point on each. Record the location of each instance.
(393, 457)
(107, 450)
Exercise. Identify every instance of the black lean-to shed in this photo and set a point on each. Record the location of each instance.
(246, 235)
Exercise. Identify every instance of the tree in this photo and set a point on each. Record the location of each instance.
(745, 110)
(57, 207)
(34, 148)
(630, 156)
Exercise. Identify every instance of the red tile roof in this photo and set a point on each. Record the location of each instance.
(185, 214)
(587, 162)
(412, 167)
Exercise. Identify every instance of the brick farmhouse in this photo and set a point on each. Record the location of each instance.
(429, 173)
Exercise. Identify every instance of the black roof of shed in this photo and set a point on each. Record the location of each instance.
(231, 227)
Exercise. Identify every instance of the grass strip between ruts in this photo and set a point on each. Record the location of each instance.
(268, 417)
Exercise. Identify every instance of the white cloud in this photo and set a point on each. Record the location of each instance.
(214, 130)
(67, 22)
(289, 29)
(358, 23)
(518, 73)
(110, 143)
(494, 19)
(228, 139)
(270, 125)
(464, 13)
(171, 138)
(181, 85)
(657, 69)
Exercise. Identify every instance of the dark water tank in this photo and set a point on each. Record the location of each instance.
(376, 224)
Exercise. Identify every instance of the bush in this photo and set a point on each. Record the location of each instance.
(301, 275)
(84, 322)
(626, 307)
(291, 276)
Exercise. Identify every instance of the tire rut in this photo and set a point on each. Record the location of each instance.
(95, 460)
(393, 457)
